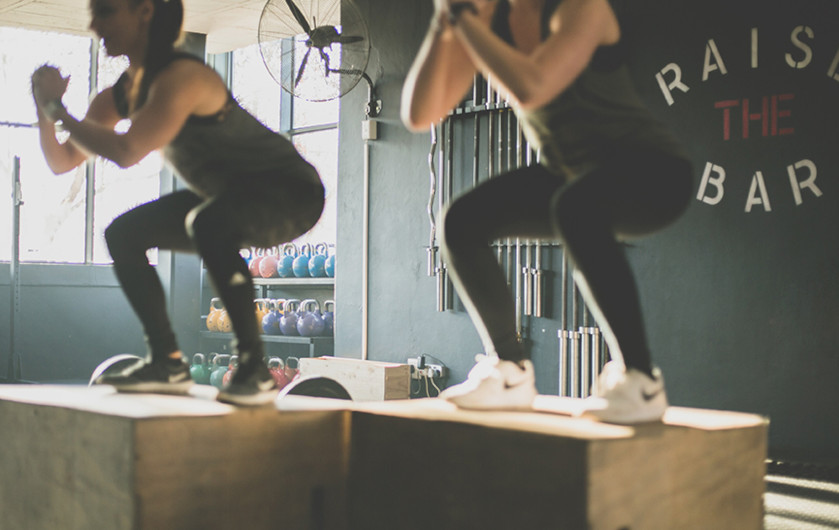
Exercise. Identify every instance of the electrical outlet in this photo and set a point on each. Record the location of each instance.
(435, 371)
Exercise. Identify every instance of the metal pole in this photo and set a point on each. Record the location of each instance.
(13, 369)
(431, 250)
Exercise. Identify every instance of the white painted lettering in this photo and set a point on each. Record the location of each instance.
(716, 182)
(831, 72)
(718, 64)
(798, 43)
(676, 83)
(809, 182)
(758, 185)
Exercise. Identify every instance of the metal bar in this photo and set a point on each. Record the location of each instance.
(585, 361)
(574, 369)
(564, 291)
(597, 358)
(13, 369)
(476, 132)
(563, 361)
(447, 191)
(431, 249)
(528, 280)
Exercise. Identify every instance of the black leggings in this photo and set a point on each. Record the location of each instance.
(216, 229)
(635, 193)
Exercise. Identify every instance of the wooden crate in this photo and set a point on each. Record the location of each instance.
(364, 380)
(423, 464)
(79, 458)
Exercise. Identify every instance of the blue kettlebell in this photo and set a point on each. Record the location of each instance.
(309, 322)
(318, 261)
(329, 318)
(247, 255)
(288, 322)
(329, 266)
(301, 262)
(285, 263)
(271, 320)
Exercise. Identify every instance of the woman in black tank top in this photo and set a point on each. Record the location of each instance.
(181, 106)
(608, 171)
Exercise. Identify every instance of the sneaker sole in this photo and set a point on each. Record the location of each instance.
(154, 388)
(250, 400)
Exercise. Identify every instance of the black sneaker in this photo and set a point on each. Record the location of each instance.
(251, 385)
(155, 377)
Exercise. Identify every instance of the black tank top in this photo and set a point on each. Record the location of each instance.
(211, 153)
(598, 113)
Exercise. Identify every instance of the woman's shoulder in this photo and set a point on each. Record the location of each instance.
(187, 69)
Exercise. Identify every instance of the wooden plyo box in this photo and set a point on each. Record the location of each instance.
(75, 458)
(424, 464)
(78, 458)
(364, 380)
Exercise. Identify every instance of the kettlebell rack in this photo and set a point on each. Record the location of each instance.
(316, 346)
(486, 124)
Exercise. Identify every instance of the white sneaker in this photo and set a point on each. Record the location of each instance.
(626, 396)
(494, 384)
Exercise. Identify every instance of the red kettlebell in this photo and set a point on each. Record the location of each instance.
(231, 369)
(268, 264)
(256, 259)
(277, 369)
(292, 368)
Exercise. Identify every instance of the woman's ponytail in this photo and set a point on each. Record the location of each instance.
(164, 33)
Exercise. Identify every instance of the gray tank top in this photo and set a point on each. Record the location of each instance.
(211, 153)
(577, 131)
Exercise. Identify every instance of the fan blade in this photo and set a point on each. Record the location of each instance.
(302, 68)
(325, 59)
(347, 40)
(298, 15)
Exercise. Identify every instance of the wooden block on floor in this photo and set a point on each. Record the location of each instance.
(79, 458)
(364, 380)
(423, 464)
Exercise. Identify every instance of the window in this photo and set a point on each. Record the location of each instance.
(62, 218)
(312, 127)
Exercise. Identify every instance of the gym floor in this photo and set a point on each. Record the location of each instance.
(801, 504)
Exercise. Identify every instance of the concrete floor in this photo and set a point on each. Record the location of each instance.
(801, 504)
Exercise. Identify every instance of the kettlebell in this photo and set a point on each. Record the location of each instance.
(288, 322)
(256, 259)
(300, 267)
(231, 369)
(277, 369)
(261, 309)
(215, 312)
(329, 266)
(309, 321)
(271, 321)
(268, 265)
(198, 369)
(329, 318)
(220, 363)
(224, 324)
(292, 368)
(318, 261)
(247, 255)
(285, 263)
